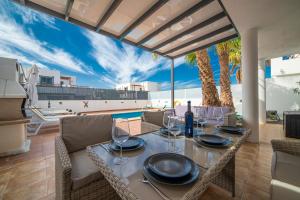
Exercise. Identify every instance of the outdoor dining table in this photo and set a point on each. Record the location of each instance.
(217, 165)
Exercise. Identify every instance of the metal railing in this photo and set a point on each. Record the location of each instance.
(81, 93)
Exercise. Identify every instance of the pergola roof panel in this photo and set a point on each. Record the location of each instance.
(162, 16)
(126, 13)
(196, 34)
(89, 11)
(166, 27)
(201, 15)
(203, 42)
(57, 5)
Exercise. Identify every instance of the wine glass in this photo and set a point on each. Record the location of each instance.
(175, 128)
(120, 134)
(218, 114)
(201, 113)
(167, 115)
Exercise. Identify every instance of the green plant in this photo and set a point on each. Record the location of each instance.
(297, 89)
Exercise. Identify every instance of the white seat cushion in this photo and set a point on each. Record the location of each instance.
(84, 171)
(286, 168)
(281, 190)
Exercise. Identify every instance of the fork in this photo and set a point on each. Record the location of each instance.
(145, 180)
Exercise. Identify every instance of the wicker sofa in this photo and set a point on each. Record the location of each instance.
(76, 176)
(285, 183)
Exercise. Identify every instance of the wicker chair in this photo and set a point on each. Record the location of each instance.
(285, 182)
(154, 117)
(76, 176)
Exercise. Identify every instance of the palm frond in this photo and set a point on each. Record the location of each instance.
(191, 59)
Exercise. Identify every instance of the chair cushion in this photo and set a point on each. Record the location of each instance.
(84, 171)
(285, 168)
(281, 190)
(78, 132)
(154, 117)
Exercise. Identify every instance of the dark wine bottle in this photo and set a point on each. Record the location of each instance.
(189, 117)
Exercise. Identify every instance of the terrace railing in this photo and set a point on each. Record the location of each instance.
(81, 93)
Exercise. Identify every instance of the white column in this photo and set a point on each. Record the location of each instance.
(262, 91)
(250, 82)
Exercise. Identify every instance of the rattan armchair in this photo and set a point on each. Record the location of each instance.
(285, 183)
(76, 176)
(291, 146)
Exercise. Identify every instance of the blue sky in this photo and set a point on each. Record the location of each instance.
(96, 60)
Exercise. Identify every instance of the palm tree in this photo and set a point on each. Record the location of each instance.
(223, 50)
(235, 58)
(210, 95)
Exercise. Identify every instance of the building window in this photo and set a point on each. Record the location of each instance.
(46, 80)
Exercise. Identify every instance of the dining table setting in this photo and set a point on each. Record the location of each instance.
(163, 163)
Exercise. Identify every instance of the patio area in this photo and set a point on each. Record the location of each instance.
(31, 176)
(229, 157)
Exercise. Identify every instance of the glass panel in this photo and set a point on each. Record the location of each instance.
(89, 11)
(204, 42)
(188, 22)
(196, 34)
(56, 5)
(46, 80)
(126, 13)
(166, 13)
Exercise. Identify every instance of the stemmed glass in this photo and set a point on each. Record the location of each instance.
(167, 115)
(175, 128)
(201, 117)
(218, 114)
(120, 134)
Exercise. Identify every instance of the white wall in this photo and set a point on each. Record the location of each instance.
(51, 73)
(285, 67)
(93, 105)
(151, 86)
(279, 95)
(8, 69)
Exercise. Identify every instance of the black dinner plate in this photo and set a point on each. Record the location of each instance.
(224, 145)
(212, 139)
(231, 129)
(131, 144)
(170, 165)
(190, 178)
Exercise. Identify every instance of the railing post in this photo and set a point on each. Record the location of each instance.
(172, 83)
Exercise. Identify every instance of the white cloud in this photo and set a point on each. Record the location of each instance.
(179, 61)
(27, 15)
(15, 40)
(9, 53)
(125, 63)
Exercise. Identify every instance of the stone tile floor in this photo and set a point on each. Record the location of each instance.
(31, 176)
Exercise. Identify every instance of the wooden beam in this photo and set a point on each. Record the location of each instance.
(108, 13)
(207, 45)
(180, 17)
(201, 38)
(142, 18)
(224, 9)
(192, 29)
(68, 9)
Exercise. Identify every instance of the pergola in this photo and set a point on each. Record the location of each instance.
(170, 28)
(174, 28)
